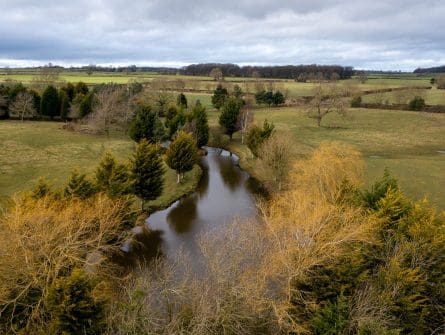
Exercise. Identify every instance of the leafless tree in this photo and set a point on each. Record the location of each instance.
(48, 75)
(327, 98)
(110, 109)
(245, 119)
(23, 106)
(216, 74)
(276, 158)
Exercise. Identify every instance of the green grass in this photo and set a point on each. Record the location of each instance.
(432, 97)
(29, 150)
(405, 142)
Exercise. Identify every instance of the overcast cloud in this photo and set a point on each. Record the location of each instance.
(390, 35)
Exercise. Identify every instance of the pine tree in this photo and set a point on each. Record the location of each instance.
(181, 101)
(104, 171)
(64, 104)
(229, 116)
(201, 125)
(49, 105)
(147, 171)
(87, 104)
(113, 178)
(73, 307)
(120, 182)
(181, 156)
(79, 186)
(219, 96)
(42, 189)
(146, 125)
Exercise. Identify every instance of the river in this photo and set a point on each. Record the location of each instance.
(224, 193)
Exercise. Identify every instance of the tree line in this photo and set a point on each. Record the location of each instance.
(279, 72)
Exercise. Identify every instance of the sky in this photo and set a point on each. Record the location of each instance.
(376, 35)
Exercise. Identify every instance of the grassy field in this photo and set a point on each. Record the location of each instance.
(408, 143)
(292, 88)
(432, 96)
(29, 150)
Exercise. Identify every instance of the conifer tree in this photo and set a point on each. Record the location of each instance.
(201, 124)
(79, 186)
(146, 125)
(49, 105)
(181, 101)
(147, 171)
(228, 118)
(181, 156)
(219, 96)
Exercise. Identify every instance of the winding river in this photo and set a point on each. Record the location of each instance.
(225, 192)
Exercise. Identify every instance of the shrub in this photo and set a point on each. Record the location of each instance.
(416, 104)
(356, 102)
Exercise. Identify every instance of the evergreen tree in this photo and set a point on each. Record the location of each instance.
(87, 104)
(181, 156)
(69, 89)
(81, 88)
(79, 186)
(113, 178)
(201, 125)
(42, 189)
(229, 116)
(146, 125)
(237, 92)
(257, 136)
(278, 98)
(120, 182)
(64, 104)
(176, 123)
(181, 101)
(219, 96)
(147, 171)
(73, 307)
(49, 105)
(104, 171)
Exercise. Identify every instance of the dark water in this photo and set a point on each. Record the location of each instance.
(225, 192)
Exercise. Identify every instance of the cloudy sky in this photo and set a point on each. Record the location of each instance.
(377, 34)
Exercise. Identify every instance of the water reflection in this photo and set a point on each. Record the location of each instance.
(182, 216)
(224, 192)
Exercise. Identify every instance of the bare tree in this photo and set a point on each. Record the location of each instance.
(328, 98)
(276, 158)
(23, 106)
(216, 74)
(48, 75)
(110, 109)
(245, 119)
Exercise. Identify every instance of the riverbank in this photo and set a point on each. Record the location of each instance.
(174, 191)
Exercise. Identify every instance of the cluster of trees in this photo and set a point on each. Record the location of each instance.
(283, 72)
(438, 69)
(18, 101)
(270, 98)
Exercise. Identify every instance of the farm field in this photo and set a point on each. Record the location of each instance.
(407, 143)
(292, 88)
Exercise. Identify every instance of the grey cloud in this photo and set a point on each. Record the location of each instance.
(393, 34)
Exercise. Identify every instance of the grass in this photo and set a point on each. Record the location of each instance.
(405, 142)
(432, 97)
(29, 150)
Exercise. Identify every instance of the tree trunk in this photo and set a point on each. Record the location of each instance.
(319, 121)
(178, 180)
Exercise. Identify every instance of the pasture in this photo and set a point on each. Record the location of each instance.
(407, 143)
(29, 150)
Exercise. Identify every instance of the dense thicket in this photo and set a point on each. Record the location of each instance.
(284, 71)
